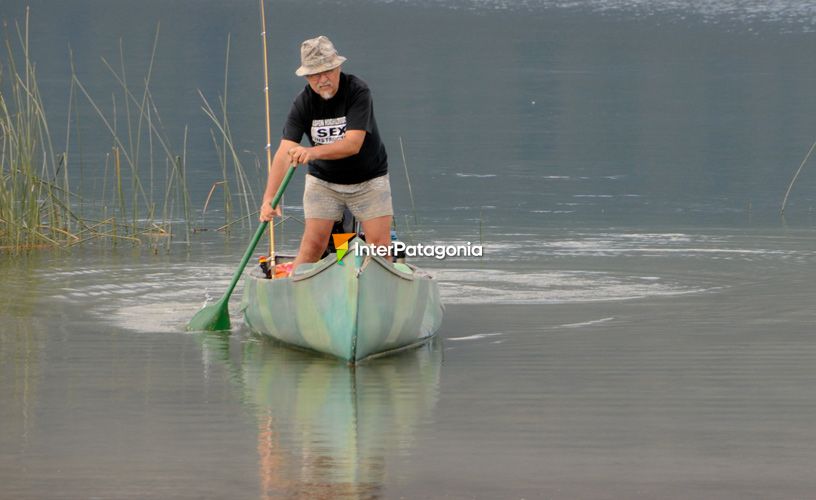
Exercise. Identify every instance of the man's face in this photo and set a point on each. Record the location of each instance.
(325, 84)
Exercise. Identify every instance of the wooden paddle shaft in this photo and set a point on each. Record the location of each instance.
(268, 127)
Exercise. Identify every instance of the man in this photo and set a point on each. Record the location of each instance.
(348, 165)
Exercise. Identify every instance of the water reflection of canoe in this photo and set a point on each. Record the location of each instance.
(353, 309)
(327, 430)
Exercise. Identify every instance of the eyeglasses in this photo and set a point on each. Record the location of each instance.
(319, 76)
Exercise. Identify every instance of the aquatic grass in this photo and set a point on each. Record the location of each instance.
(38, 207)
(795, 176)
(408, 180)
(34, 198)
(481, 228)
(147, 120)
(210, 193)
(407, 234)
(226, 149)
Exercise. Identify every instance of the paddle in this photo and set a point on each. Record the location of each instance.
(216, 316)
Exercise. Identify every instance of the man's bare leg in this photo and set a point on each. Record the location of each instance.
(314, 241)
(378, 231)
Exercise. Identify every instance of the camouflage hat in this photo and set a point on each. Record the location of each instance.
(318, 55)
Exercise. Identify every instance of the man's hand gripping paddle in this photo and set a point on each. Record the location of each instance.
(216, 316)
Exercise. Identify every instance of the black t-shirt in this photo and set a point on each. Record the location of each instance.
(326, 121)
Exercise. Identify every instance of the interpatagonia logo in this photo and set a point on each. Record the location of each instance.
(341, 244)
(420, 250)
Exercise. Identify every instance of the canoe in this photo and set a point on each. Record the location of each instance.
(354, 308)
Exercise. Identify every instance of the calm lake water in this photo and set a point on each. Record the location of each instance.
(641, 324)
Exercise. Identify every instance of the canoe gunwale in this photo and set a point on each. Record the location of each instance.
(419, 273)
(325, 264)
(393, 270)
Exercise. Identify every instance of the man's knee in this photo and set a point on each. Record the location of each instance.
(378, 231)
(379, 240)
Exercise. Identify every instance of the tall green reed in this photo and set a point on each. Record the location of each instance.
(227, 153)
(37, 206)
(35, 198)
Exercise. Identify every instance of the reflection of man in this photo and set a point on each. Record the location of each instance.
(348, 165)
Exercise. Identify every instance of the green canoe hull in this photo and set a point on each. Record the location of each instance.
(357, 309)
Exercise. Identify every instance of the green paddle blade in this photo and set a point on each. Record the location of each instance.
(216, 316)
(213, 317)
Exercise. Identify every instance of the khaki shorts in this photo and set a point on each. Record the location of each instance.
(366, 200)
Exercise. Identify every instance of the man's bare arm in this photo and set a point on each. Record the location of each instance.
(280, 163)
(347, 146)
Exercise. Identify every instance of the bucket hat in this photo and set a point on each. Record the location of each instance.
(318, 55)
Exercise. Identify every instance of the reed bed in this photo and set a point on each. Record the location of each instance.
(35, 197)
(38, 208)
